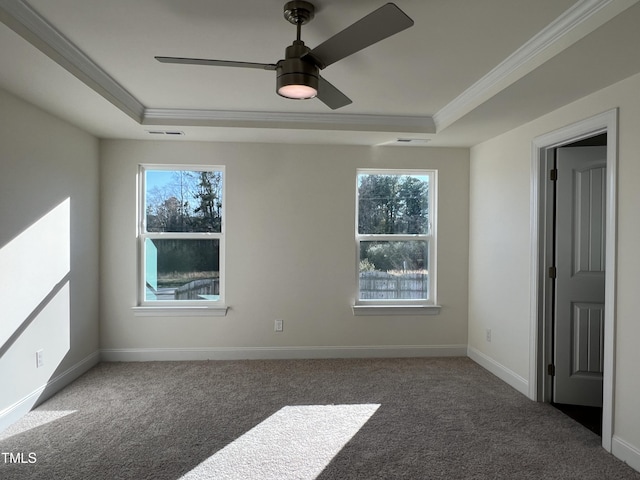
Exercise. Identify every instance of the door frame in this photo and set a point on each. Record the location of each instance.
(540, 349)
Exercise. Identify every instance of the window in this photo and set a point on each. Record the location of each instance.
(395, 236)
(181, 235)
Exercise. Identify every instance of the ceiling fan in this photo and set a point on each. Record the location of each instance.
(297, 75)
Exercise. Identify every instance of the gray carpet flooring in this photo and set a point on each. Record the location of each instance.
(433, 418)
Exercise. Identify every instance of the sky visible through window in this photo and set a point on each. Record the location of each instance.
(158, 178)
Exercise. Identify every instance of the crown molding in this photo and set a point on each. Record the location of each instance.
(29, 24)
(316, 121)
(530, 55)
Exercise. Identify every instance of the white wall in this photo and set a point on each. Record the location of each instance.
(48, 254)
(500, 243)
(290, 254)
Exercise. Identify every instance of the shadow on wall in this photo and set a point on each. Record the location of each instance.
(34, 295)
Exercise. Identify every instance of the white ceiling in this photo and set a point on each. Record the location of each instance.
(467, 70)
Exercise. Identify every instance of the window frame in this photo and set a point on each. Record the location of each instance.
(400, 306)
(170, 307)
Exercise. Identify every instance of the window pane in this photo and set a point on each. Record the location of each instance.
(179, 269)
(393, 204)
(183, 201)
(394, 270)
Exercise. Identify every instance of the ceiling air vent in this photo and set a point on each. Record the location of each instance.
(412, 141)
(407, 141)
(169, 133)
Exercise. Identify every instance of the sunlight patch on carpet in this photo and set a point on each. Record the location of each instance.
(296, 442)
(34, 419)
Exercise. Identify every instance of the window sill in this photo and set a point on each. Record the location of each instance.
(370, 310)
(181, 311)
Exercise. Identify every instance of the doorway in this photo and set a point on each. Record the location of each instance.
(576, 330)
(577, 277)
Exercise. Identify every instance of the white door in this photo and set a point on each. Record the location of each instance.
(580, 275)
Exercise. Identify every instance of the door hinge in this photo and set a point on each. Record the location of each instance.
(551, 370)
(553, 175)
(552, 272)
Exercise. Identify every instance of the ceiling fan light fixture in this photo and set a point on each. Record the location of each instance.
(297, 92)
(297, 86)
(297, 79)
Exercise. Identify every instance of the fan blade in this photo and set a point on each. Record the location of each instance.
(216, 63)
(330, 95)
(378, 25)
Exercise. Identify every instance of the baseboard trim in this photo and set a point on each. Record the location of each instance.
(279, 353)
(20, 408)
(60, 381)
(626, 452)
(503, 373)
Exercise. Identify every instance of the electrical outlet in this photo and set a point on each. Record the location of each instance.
(40, 358)
(488, 334)
(279, 325)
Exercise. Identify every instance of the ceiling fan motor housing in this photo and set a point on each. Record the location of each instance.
(293, 70)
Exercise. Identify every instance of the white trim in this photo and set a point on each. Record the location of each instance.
(429, 305)
(317, 121)
(181, 311)
(535, 290)
(60, 381)
(278, 353)
(603, 122)
(20, 408)
(524, 59)
(187, 307)
(391, 310)
(626, 452)
(503, 373)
